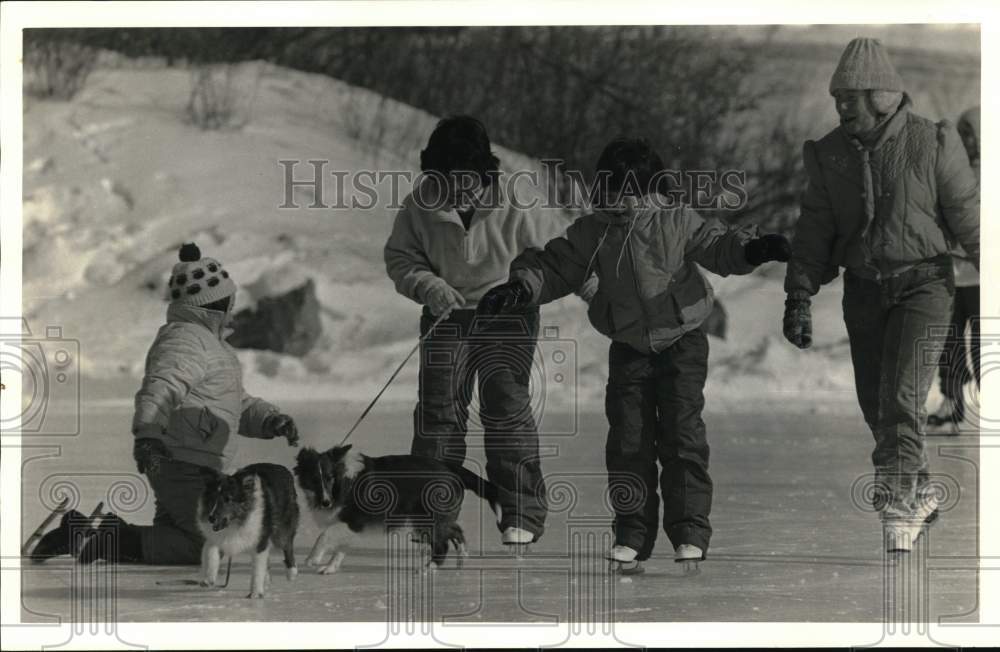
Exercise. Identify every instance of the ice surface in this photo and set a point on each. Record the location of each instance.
(789, 542)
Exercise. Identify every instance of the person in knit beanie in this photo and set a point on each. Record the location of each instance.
(890, 195)
(188, 411)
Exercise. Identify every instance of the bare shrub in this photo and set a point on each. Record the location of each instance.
(56, 69)
(222, 96)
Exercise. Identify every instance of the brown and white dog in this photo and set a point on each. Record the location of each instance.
(251, 510)
(346, 490)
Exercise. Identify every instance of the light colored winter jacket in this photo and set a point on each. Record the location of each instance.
(878, 212)
(429, 247)
(649, 290)
(192, 395)
(966, 274)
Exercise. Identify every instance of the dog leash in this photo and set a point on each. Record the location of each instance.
(392, 378)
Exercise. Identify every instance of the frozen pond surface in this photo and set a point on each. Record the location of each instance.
(790, 544)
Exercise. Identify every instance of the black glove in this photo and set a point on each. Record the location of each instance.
(281, 425)
(798, 322)
(148, 453)
(772, 246)
(507, 297)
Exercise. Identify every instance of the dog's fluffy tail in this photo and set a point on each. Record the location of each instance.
(481, 487)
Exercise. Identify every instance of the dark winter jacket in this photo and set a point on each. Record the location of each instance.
(880, 210)
(649, 290)
(192, 395)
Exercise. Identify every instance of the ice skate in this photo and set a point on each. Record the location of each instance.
(52, 546)
(518, 540)
(690, 556)
(113, 540)
(622, 561)
(68, 538)
(901, 532)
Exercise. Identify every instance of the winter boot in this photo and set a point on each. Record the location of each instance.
(114, 540)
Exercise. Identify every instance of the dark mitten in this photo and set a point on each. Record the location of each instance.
(798, 322)
(148, 453)
(507, 297)
(281, 425)
(773, 246)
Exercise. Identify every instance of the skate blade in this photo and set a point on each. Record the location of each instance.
(518, 550)
(690, 567)
(625, 568)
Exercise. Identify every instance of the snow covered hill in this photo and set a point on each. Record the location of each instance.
(116, 180)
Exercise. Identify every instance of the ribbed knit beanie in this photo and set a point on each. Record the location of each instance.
(865, 66)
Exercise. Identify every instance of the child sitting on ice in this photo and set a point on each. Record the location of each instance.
(187, 413)
(651, 300)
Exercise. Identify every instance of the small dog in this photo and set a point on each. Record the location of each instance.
(252, 509)
(344, 488)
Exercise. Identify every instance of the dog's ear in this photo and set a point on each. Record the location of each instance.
(338, 452)
(305, 456)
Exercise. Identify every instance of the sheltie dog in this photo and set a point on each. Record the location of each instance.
(251, 510)
(345, 489)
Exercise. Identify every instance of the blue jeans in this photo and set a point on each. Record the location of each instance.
(897, 328)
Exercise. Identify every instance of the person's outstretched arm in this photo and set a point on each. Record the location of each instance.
(539, 276)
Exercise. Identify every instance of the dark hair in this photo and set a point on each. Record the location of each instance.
(627, 166)
(460, 144)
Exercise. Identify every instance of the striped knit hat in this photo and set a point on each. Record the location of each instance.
(865, 66)
(196, 281)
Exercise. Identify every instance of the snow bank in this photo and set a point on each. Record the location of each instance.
(116, 180)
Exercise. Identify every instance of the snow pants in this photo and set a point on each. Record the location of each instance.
(173, 538)
(654, 403)
(497, 352)
(897, 328)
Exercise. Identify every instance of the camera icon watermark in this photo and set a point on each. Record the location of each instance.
(501, 373)
(48, 367)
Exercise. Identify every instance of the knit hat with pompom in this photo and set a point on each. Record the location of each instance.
(197, 281)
